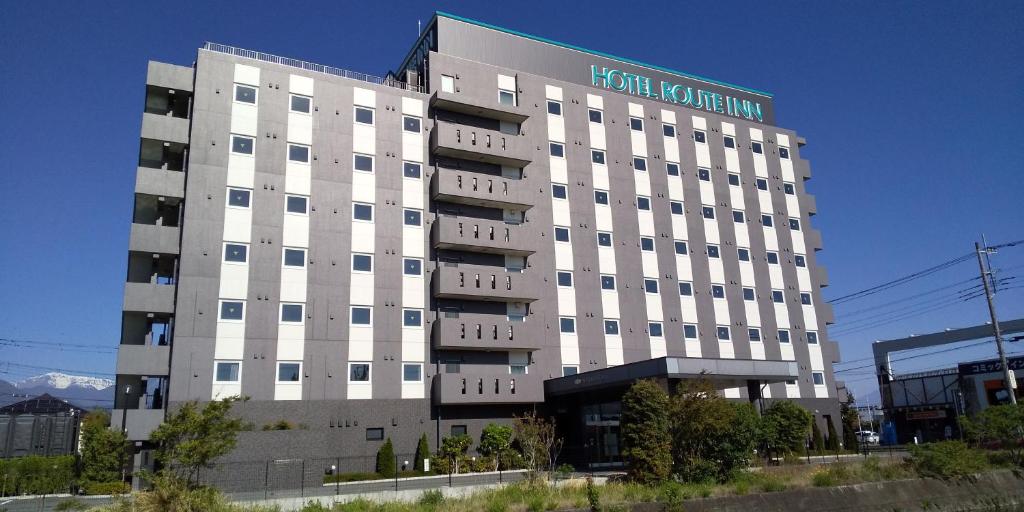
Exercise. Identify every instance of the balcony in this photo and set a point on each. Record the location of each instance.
(479, 144)
(153, 239)
(813, 239)
(482, 282)
(144, 359)
(149, 298)
(811, 204)
(822, 276)
(458, 389)
(454, 102)
(140, 422)
(482, 235)
(159, 182)
(476, 331)
(478, 189)
(169, 76)
(167, 128)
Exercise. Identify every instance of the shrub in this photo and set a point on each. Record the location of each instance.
(422, 452)
(785, 426)
(817, 440)
(112, 488)
(103, 451)
(946, 459)
(832, 441)
(593, 497)
(495, 443)
(386, 460)
(999, 426)
(711, 437)
(644, 427)
(36, 474)
(71, 504)
(432, 498)
(350, 477)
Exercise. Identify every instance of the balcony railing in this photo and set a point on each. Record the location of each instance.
(479, 144)
(478, 189)
(457, 388)
(463, 103)
(477, 331)
(482, 235)
(482, 282)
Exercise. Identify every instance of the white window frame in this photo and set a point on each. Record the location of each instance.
(576, 370)
(231, 145)
(373, 163)
(572, 318)
(652, 249)
(291, 110)
(217, 363)
(369, 373)
(815, 374)
(220, 308)
(729, 137)
(689, 284)
(611, 239)
(420, 311)
(669, 125)
(284, 252)
(618, 327)
(352, 263)
(599, 111)
(309, 153)
(224, 254)
(649, 205)
(420, 260)
(567, 231)
(783, 301)
(227, 199)
(631, 118)
(373, 213)
(786, 149)
(302, 316)
(417, 118)
(563, 187)
(558, 281)
(728, 333)
(760, 335)
(277, 373)
(548, 107)
(696, 332)
(418, 165)
(359, 306)
(615, 284)
(373, 114)
(817, 339)
(256, 94)
(302, 214)
(759, 144)
(417, 210)
(637, 159)
(656, 285)
(407, 381)
(702, 132)
(551, 145)
(515, 100)
(789, 337)
(724, 292)
(652, 324)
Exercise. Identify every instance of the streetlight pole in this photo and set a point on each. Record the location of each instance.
(986, 274)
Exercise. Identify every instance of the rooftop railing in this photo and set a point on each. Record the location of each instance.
(309, 66)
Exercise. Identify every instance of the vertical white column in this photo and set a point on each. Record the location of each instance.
(680, 236)
(645, 221)
(414, 337)
(568, 342)
(361, 292)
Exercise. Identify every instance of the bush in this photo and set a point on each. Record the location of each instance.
(386, 460)
(351, 477)
(422, 452)
(71, 504)
(711, 437)
(432, 498)
(646, 440)
(947, 459)
(279, 425)
(113, 488)
(832, 441)
(817, 441)
(36, 474)
(785, 426)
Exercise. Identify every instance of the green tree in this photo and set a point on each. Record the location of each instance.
(538, 442)
(386, 466)
(454, 448)
(103, 450)
(422, 452)
(850, 416)
(817, 440)
(192, 437)
(1001, 425)
(496, 442)
(785, 426)
(711, 437)
(644, 431)
(832, 441)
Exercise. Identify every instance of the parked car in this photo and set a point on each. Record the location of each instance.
(867, 437)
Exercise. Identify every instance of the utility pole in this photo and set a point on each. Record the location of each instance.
(985, 275)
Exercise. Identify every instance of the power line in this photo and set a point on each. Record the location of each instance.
(908, 307)
(57, 346)
(904, 316)
(62, 370)
(926, 354)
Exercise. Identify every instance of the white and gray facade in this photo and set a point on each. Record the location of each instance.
(499, 220)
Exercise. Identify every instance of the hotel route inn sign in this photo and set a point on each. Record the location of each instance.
(639, 85)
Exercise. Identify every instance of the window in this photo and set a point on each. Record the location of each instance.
(651, 285)
(288, 372)
(761, 183)
(689, 331)
(364, 115)
(754, 334)
(359, 372)
(604, 239)
(296, 204)
(654, 328)
(685, 289)
(777, 297)
(242, 145)
(700, 137)
(362, 163)
(789, 188)
(791, 382)
(748, 294)
(636, 124)
(713, 251)
(607, 282)
(640, 164)
(718, 291)
(362, 211)
(412, 267)
(734, 179)
(597, 156)
(236, 253)
(567, 325)
(556, 149)
(569, 370)
(517, 369)
(767, 221)
(294, 257)
(227, 372)
(681, 248)
(411, 170)
(459, 430)
(704, 174)
(564, 278)
(729, 141)
(800, 261)
(723, 333)
(411, 124)
(362, 315)
(412, 372)
(743, 254)
(447, 83)
(291, 313)
(232, 310)
(506, 97)
(362, 263)
(412, 217)
(812, 338)
(646, 243)
(300, 104)
(558, 191)
(561, 234)
(772, 257)
(596, 116)
(675, 207)
(737, 216)
(554, 108)
(643, 203)
(412, 318)
(298, 153)
(245, 94)
(611, 327)
(818, 378)
(784, 153)
(708, 212)
(672, 169)
(669, 130)
(794, 224)
(805, 299)
(756, 147)
(600, 197)
(783, 336)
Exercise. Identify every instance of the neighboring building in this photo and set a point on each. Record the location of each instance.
(503, 223)
(43, 425)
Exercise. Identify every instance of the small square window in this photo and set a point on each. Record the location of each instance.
(412, 170)
(569, 370)
(761, 183)
(236, 253)
(294, 257)
(242, 145)
(729, 142)
(298, 153)
(412, 372)
(288, 372)
(554, 108)
(564, 278)
(506, 97)
(556, 149)
(754, 334)
(713, 251)
(412, 318)
(689, 331)
(805, 299)
(517, 369)
(675, 207)
(411, 217)
(561, 234)
(362, 315)
(767, 221)
(636, 124)
(794, 224)
(558, 191)
(604, 239)
(756, 147)
(743, 254)
(734, 179)
(459, 430)
(362, 263)
(607, 282)
(700, 137)
(362, 163)
(685, 289)
(737, 216)
(364, 115)
(640, 164)
(412, 267)
(411, 124)
(681, 248)
(600, 197)
(723, 333)
(300, 104)
(669, 130)
(718, 291)
(812, 338)
(611, 327)
(245, 94)
(672, 169)
(359, 372)
(708, 212)
(596, 116)
(748, 294)
(800, 261)
(643, 203)
(783, 336)
(704, 174)
(791, 382)
(296, 204)
(362, 211)
(646, 243)
(772, 257)
(597, 156)
(447, 83)
(789, 189)
(567, 325)
(818, 378)
(227, 371)
(777, 297)
(651, 285)
(655, 329)
(291, 313)
(784, 153)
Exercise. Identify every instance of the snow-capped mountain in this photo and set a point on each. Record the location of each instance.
(87, 392)
(63, 381)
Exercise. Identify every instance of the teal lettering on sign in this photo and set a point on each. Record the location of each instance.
(638, 85)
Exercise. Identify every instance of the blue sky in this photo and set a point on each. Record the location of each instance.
(910, 109)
